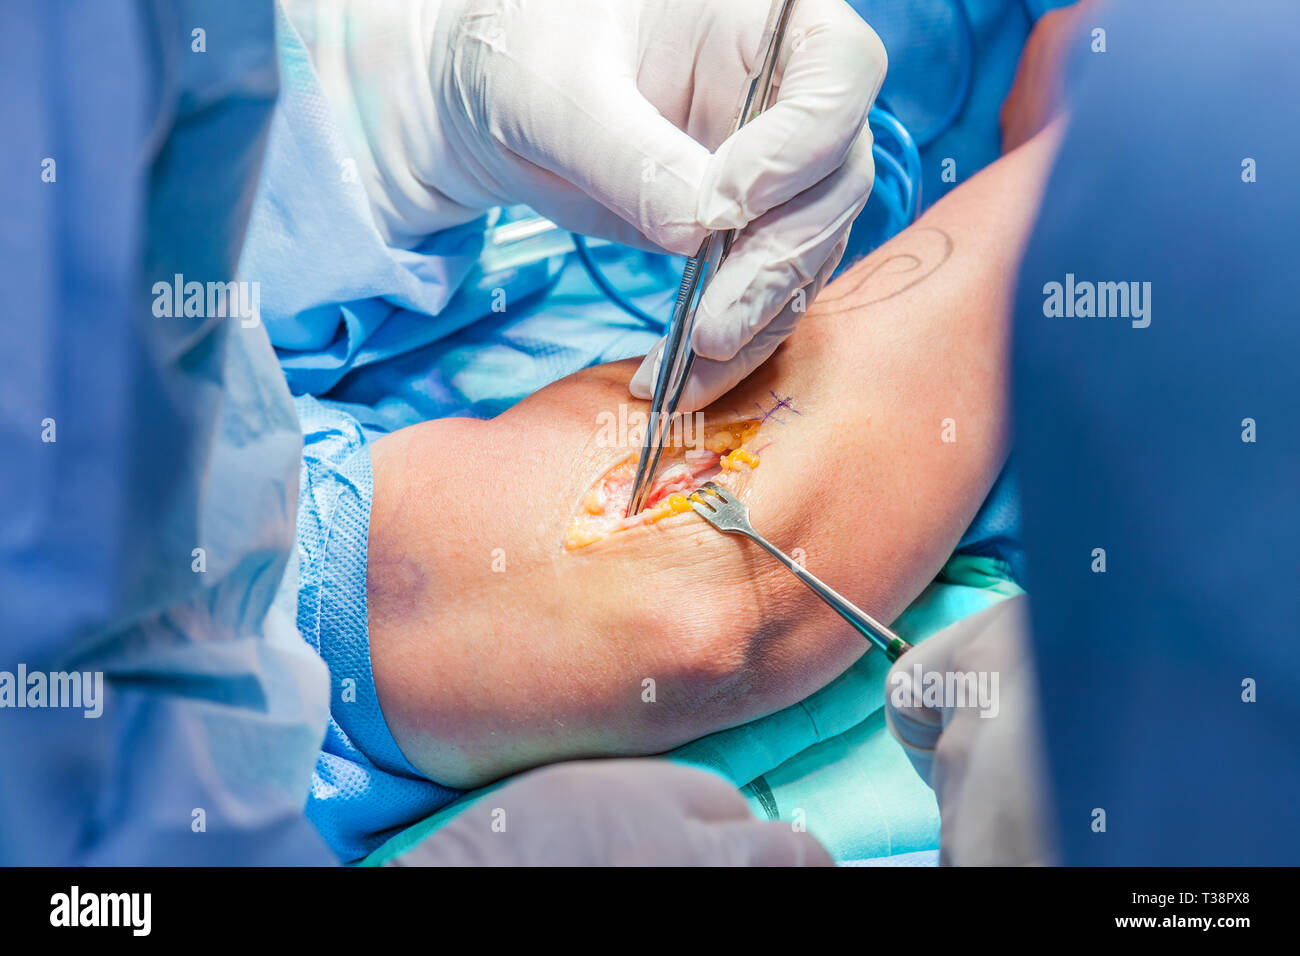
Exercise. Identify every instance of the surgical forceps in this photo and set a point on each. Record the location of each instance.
(678, 355)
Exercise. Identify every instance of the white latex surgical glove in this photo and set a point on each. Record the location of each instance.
(615, 813)
(613, 119)
(986, 771)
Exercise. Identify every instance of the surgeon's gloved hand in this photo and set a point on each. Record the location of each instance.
(611, 813)
(986, 771)
(614, 119)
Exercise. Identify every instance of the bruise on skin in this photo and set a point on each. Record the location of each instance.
(395, 586)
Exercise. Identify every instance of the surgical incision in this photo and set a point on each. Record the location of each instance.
(726, 450)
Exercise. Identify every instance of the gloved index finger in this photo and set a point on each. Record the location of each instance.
(702, 795)
(552, 108)
(832, 69)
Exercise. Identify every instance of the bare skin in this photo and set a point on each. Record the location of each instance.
(1038, 93)
(495, 649)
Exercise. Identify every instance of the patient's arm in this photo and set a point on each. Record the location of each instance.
(495, 648)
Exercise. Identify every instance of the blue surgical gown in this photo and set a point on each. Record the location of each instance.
(1170, 681)
(150, 538)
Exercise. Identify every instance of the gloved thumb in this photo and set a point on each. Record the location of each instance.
(709, 379)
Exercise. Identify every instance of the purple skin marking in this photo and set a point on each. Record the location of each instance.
(781, 403)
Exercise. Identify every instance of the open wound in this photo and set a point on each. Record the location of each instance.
(724, 452)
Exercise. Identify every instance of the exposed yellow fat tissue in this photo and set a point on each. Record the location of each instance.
(601, 511)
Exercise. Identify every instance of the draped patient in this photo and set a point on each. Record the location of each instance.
(515, 619)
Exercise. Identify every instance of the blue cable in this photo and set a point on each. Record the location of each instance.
(912, 177)
(966, 40)
(605, 286)
(892, 166)
(896, 205)
(899, 133)
(966, 34)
